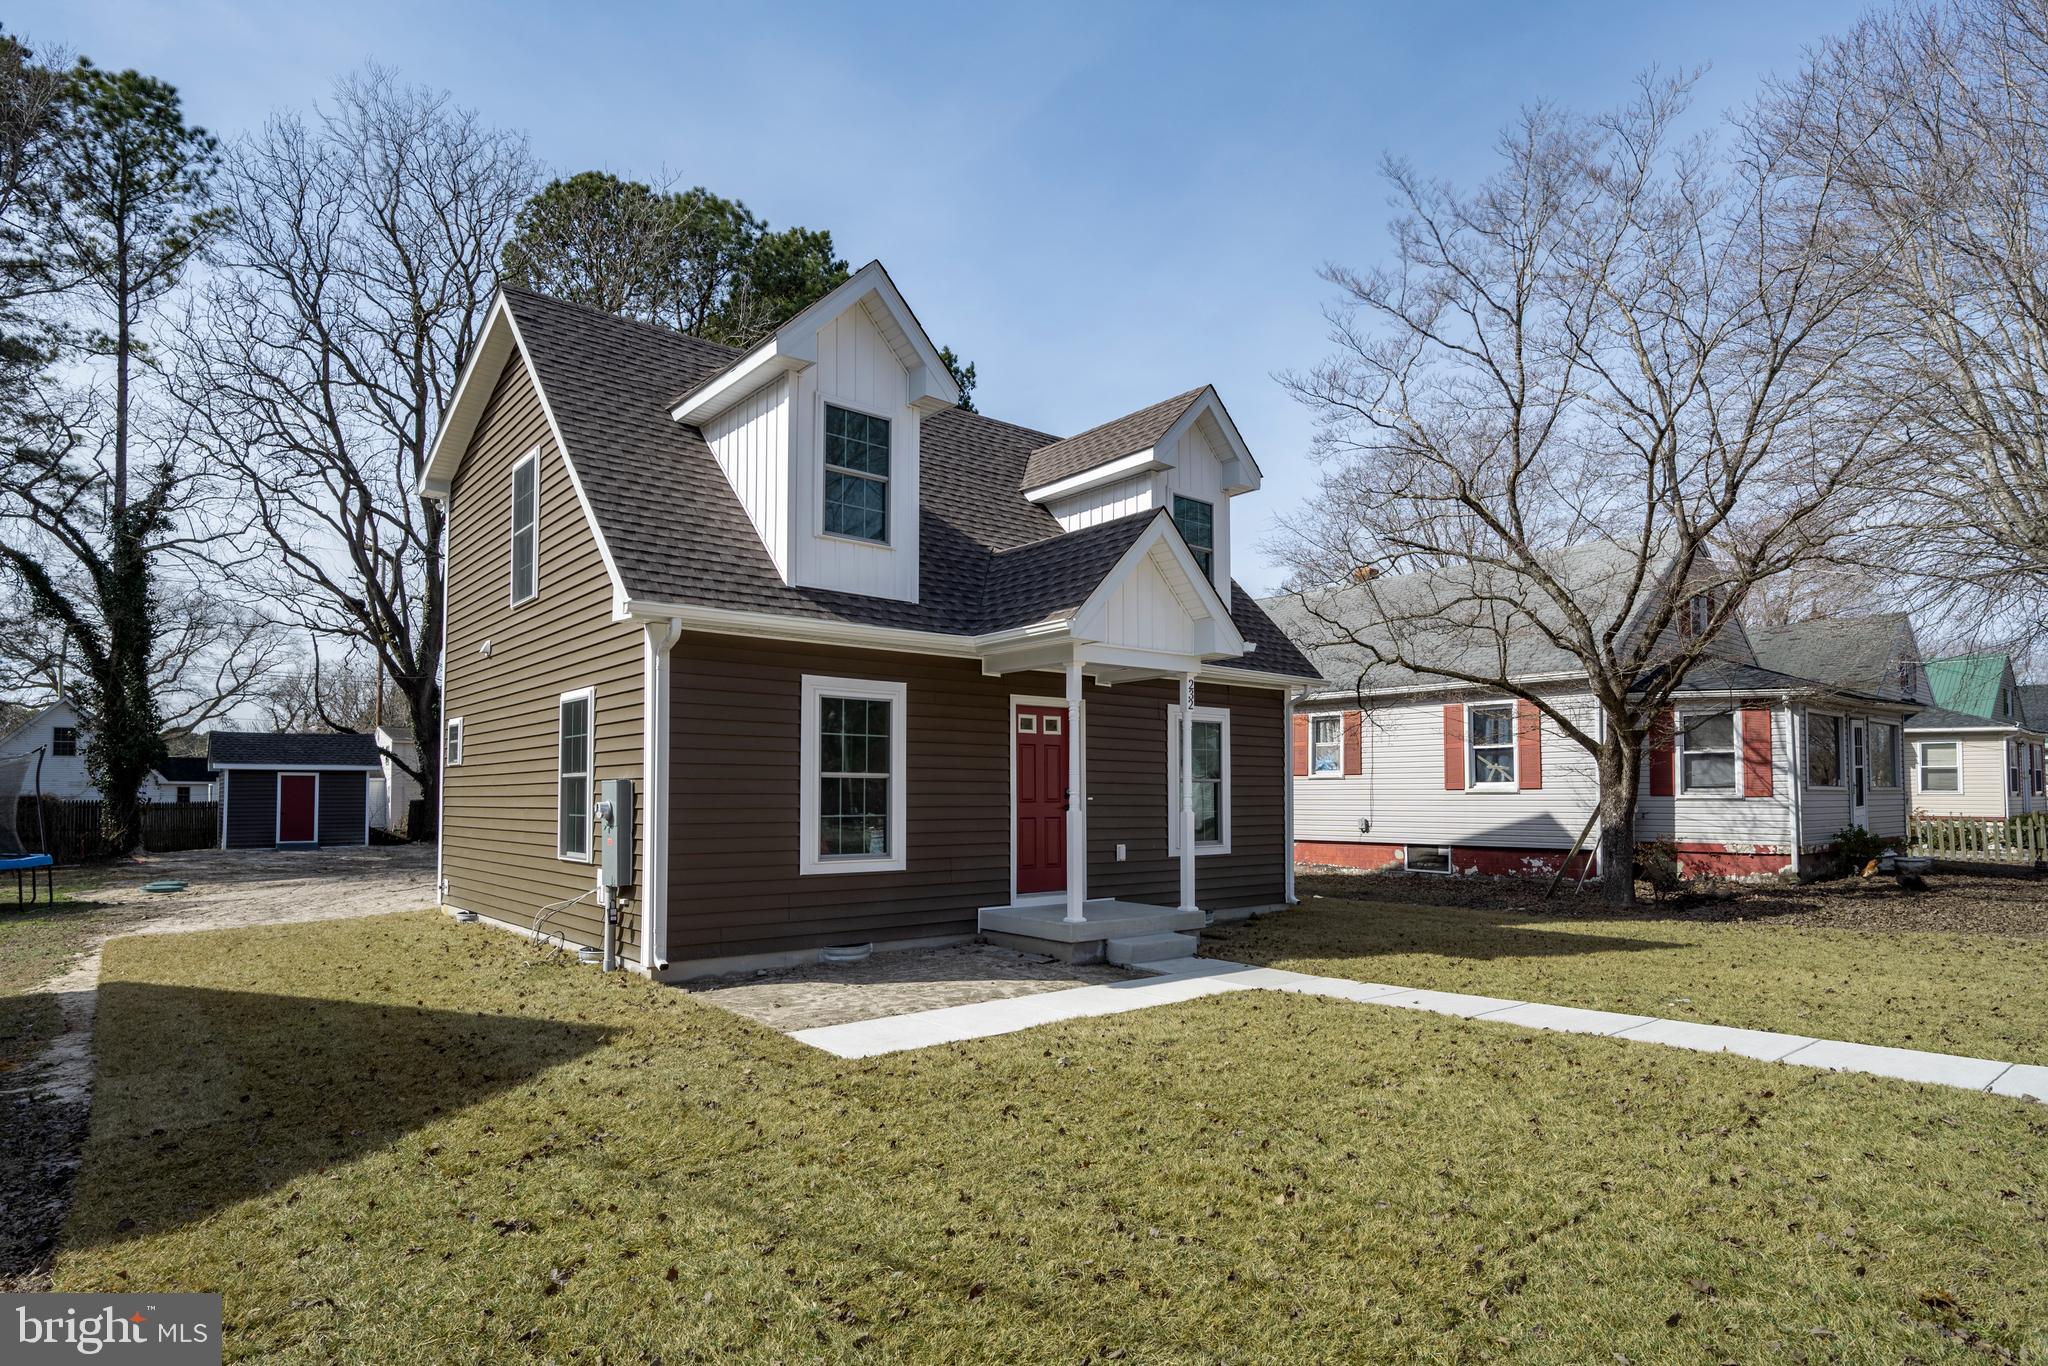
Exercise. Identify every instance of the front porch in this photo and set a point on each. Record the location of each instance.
(1121, 932)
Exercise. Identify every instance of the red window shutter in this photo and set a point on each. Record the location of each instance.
(1661, 784)
(1756, 751)
(1528, 745)
(1301, 746)
(1354, 743)
(1454, 748)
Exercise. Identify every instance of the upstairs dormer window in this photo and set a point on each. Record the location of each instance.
(1197, 522)
(856, 475)
(1698, 612)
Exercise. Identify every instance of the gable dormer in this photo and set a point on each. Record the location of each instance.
(816, 428)
(1183, 456)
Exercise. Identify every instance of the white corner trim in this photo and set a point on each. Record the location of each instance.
(815, 688)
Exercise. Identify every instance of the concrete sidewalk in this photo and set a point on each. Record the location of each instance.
(1192, 978)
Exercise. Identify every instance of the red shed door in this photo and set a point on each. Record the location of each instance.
(1041, 799)
(298, 796)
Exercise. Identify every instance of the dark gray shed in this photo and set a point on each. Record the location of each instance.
(292, 791)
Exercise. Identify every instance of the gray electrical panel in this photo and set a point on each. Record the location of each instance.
(615, 831)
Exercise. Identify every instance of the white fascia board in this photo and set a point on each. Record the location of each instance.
(763, 365)
(471, 397)
(1336, 692)
(1123, 467)
(818, 630)
(1962, 730)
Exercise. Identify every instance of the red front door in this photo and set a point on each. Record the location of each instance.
(1041, 799)
(297, 796)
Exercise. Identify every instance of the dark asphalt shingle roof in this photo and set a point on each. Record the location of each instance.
(1119, 437)
(184, 769)
(1862, 652)
(678, 533)
(1932, 717)
(2034, 704)
(264, 750)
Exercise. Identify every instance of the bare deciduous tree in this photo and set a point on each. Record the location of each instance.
(349, 292)
(1925, 130)
(1619, 341)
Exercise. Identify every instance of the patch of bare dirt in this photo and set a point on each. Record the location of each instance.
(1956, 903)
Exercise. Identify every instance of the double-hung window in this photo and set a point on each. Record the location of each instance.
(1326, 746)
(64, 742)
(1823, 751)
(575, 751)
(854, 751)
(1884, 756)
(2012, 767)
(526, 527)
(451, 753)
(1706, 756)
(1490, 739)
(856, 475)
(1699, 610)
(1210, 771)
(1940, 766)
(1197, 522)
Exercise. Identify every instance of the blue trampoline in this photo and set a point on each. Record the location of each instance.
(17, 771)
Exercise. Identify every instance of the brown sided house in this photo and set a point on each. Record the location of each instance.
(878, 669)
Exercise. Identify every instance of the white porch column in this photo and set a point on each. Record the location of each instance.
(1077, 807)
(1187, 793)
(1287, 790)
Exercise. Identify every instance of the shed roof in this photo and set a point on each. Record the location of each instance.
(252, 749)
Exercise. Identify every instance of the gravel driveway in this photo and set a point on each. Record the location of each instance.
(45, 1105)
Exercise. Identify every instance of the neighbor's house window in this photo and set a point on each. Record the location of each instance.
(1698, 611)
(451, 753)
(1906, 674)
(1423, 858)
(1823, 751)
(1884, 756)
(856, 475)
(526, 527)
(853, 752)
(575, 752)
(184, 796)
(1490, 739)
(1326, 746)
(1706, 757)
(1211, 769)
(1197, 522)
(1940, 766)
(64, 742)
(2012, 768)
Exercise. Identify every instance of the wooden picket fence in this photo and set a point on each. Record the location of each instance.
(1971, 839)
(72, 829)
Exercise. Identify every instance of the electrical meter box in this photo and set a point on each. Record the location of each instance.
(615, 832)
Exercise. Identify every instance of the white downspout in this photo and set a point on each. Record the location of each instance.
(657, 716)
(1287, 789)
(441, 788)
(1187, 792)
(1077, 808)
(1795, 725)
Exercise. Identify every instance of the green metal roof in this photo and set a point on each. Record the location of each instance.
(1970, 683)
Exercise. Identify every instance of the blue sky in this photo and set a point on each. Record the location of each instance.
(1099, 205)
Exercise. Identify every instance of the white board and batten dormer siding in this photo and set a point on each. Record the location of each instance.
(1197, 472)
(1145, 612)
(856, 369)
(751, 441)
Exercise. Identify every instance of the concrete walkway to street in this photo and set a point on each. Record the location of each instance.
(1191, 978)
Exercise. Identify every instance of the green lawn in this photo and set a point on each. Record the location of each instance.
(1977, 994)
(37, 943)
(403, 1140)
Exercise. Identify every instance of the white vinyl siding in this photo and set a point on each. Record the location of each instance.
(751, 442)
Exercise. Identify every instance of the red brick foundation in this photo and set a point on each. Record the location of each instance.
(1694, 859)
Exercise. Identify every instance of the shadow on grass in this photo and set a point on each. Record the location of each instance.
(1331, 929)
(206, 1098)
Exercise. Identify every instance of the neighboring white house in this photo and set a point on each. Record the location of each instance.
(1977, 751)
(1752, 769)
(393, 790)
(61, 732)
(180, 781)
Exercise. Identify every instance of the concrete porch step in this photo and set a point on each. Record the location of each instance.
(1149, 948)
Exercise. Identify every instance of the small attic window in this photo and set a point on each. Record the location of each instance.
(856, 475)
(1197, 522)
(1698, 612)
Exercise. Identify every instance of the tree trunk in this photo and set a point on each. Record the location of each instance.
(1620, 768)
(423, 703)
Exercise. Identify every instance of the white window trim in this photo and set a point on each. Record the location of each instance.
(1699, 614)
(1734, 790)
(1449, 867)
(453, 745)
(1220, 846)
(532, 458)
(1514, 748)
(816, 688)
(277, 804)
(1172, 507)
(1898, 738)
(589, 696)
(887, 481)
(1841, 742)
(1920, 768)
(1314, 717)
